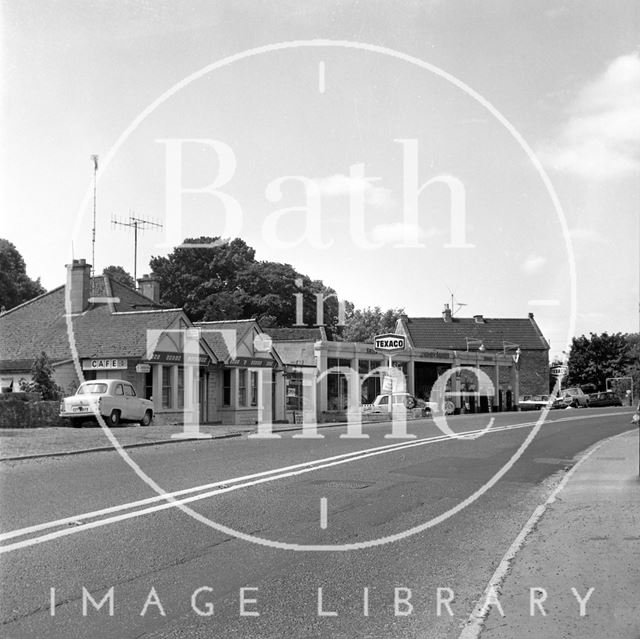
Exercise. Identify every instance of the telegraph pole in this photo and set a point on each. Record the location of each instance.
(136, 223)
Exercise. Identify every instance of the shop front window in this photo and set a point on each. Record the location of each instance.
(180, 387)
(254, 388)
(337, 385)
(242, 386)
(369, 386)
(166, 387)
(148, 385)
(226, 387)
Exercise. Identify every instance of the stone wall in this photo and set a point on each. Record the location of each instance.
(27, 410)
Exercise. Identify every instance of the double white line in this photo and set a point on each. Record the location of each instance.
(94, 519)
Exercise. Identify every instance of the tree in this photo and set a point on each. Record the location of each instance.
(119, 274)
(15, 285)
(593, 359)
(191, 277)
(363, 325)
(227, 282)
(42, 379)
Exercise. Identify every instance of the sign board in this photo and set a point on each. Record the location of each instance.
(104, 364)
(387, 384)
(252, 362)
(143, 368)
(169, 357)
(389, 343)
(559, 371)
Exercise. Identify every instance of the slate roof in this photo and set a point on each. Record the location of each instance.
(216, 341)
(434, 332)
(298, 333)
(41, 325)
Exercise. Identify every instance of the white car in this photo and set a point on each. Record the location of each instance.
(114, 399)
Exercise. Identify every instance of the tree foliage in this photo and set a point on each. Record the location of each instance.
(118, 273)
(16, 286)
(225, 281)
(42, 379)
(593, 359)
(363, 325)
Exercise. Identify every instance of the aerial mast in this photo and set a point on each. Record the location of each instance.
(94, 159)
(136, 223)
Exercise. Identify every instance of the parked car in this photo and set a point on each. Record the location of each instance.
(571, 398)
(605, 398)
(114, 399)
(533, 402)
(381, 402)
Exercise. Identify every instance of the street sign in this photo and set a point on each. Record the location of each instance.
(389, 343)
(559, 371)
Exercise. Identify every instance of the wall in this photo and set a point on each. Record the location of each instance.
(21, 410)
(534, 373)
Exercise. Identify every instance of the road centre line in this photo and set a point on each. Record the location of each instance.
(224, 487)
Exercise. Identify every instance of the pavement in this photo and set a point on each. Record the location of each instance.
(32, 443)
(587, 535)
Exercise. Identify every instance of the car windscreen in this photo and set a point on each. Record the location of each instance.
(91, 389)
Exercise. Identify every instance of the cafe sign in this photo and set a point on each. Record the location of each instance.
(102, 364)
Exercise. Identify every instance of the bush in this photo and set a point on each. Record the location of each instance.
(42, 380)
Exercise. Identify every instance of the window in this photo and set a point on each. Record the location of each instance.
(166, 387)
(92, 389)
(226, 387)
(254, 388)
(337, 385)
(148, 385)
(242, 386)
(128, 390)
(180, 387)
(117, 389)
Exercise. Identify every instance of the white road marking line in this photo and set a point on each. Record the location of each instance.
(224, 487)
(323, 513)
(321, 77)
(479, 614)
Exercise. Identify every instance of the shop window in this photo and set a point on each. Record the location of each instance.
(242, 386)
(166, 387)
(254, 388)
(370, 389)
(148, 385)
(180, 387)
(294, 391)
(226, 387)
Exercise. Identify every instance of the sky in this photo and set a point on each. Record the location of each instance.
(403, 152)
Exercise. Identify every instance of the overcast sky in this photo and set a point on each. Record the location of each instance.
(319, 122)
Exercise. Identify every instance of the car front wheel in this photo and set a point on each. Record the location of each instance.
(114, 418)
(146, 420)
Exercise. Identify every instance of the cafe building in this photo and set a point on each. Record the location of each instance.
(99, 328)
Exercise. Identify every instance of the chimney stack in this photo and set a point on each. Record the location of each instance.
(79, 285)
(478, 319)
(446, 313)
(149, 286)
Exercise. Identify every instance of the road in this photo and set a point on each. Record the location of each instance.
(325, 552)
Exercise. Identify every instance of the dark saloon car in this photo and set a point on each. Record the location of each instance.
(605, 398)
